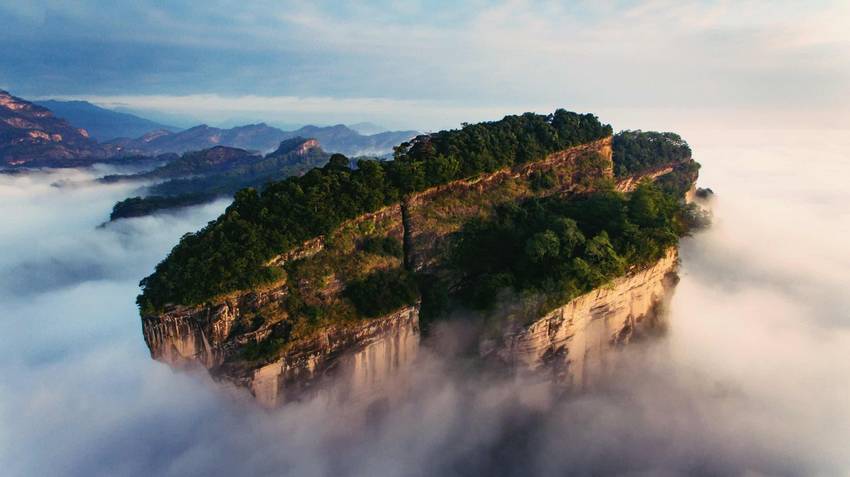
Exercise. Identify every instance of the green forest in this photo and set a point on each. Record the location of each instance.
(563, 247)
(231, 252)
(141, 206)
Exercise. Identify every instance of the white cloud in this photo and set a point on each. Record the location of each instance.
(753, 377)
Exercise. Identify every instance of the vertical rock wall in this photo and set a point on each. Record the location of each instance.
(573, 342)
(361, 360)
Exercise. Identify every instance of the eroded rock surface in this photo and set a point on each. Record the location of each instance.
(573, 342)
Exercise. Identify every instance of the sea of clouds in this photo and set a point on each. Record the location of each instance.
(753, 377)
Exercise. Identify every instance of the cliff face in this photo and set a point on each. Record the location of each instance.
(572, 343)
(359, 361)
(360, 358)
(252, 339)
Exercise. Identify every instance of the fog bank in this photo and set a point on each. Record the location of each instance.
(753, 377)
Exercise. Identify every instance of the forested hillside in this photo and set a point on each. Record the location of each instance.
(231, 252)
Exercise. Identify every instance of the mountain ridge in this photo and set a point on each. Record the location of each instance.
(261, 137)
(31, 135)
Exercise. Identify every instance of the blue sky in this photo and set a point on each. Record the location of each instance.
(429, 64)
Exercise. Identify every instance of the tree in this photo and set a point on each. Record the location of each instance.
(542, 246)
(338, 161)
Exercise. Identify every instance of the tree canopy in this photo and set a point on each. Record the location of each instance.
(563, 247)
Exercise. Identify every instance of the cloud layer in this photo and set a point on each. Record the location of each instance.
(752, 379)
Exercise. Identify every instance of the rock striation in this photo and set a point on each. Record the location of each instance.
(572, 344)
(356, 362)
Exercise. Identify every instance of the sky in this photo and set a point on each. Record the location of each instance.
(430, 65)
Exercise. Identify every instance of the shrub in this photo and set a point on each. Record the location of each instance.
(388, 246)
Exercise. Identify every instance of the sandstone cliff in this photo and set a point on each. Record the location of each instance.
(571, 343)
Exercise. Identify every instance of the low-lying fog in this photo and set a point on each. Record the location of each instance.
(753, 378)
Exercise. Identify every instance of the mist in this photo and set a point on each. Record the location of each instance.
(752, 377)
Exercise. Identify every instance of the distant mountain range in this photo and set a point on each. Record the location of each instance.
(34, 135)
(101, 123)
(261, 138)
(130, 134)
(344, 140)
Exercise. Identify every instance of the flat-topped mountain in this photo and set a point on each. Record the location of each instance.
(31, 134)
(531, 224)
(102, 124)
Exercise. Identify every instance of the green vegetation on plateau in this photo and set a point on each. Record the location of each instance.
(563, 247)
(636, 151)
(231, 252)
(549, 250)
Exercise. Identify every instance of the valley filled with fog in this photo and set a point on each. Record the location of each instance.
(752, 375)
